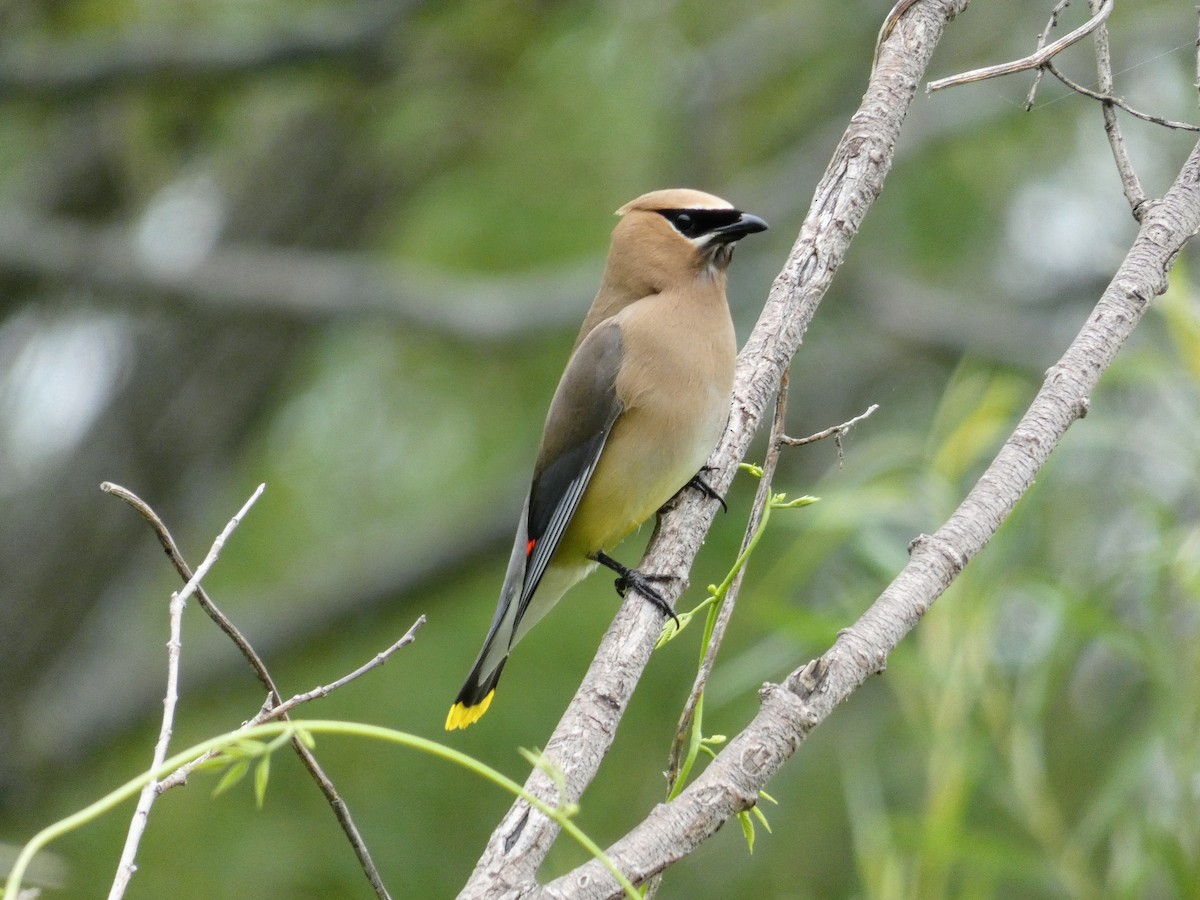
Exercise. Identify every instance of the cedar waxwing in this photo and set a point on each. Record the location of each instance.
(643, 401)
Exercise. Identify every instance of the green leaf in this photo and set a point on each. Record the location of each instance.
(262, 773)
(235, 773)
(246, 747)
(758, 814)
(670, 630)
(780, 501)
(219, 761)
(747, 830)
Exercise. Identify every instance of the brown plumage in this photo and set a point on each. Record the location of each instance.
(643, 401)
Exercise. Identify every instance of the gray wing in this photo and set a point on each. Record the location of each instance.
(581, 416)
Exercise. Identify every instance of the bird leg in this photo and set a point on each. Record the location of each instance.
(697, 481)
(640, 582)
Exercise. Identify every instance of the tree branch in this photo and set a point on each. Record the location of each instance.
(1041, 43)
(137, 826)
(762, 497)
(837, 432)
(272, 710)
(274, 706)
(851, 183)
(1105, 95)
(1035, 60)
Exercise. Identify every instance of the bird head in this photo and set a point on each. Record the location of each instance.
(668, 234)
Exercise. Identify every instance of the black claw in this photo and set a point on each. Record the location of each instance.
(631, 578)
(706, 489)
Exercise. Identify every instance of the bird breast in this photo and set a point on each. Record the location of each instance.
(674, 385)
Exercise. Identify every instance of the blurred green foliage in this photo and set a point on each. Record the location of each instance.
(1037, 736)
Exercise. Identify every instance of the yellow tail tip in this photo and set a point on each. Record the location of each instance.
(461, 716)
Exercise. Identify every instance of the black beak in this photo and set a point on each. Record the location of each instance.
(743, 225)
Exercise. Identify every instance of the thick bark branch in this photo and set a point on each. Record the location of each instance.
(850, 185)
(790, 711)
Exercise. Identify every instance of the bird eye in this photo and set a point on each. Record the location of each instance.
(683, 222)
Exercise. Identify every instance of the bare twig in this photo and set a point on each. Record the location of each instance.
(1042, 38)
(126, 866)
(837, 432)
(172, 550)
(274, 697)
(1110, 100)
(761, 498)
(271, 712)
(687, 718)
(1042, 60)
(325, 690)
(137, 827)
(1034, 61)
(1130, 183)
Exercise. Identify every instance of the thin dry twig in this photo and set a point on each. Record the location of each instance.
(1130, 183)
(761, 498)
(837, 432)
(141, 814)
(1110, 100)
(127, 864)
(318, 693)
(1042, 38)
(172, 550)
(274, 697)
(1035, 60)
(270, 713)
(1042, 60)
(687, 717)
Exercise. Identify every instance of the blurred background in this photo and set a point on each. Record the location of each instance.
(342, 248)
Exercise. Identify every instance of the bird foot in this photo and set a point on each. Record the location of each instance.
(697, 481)
(642, 583)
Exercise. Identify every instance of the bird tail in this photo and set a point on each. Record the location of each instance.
(476, 695)
(479, 688)
(518, 610)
